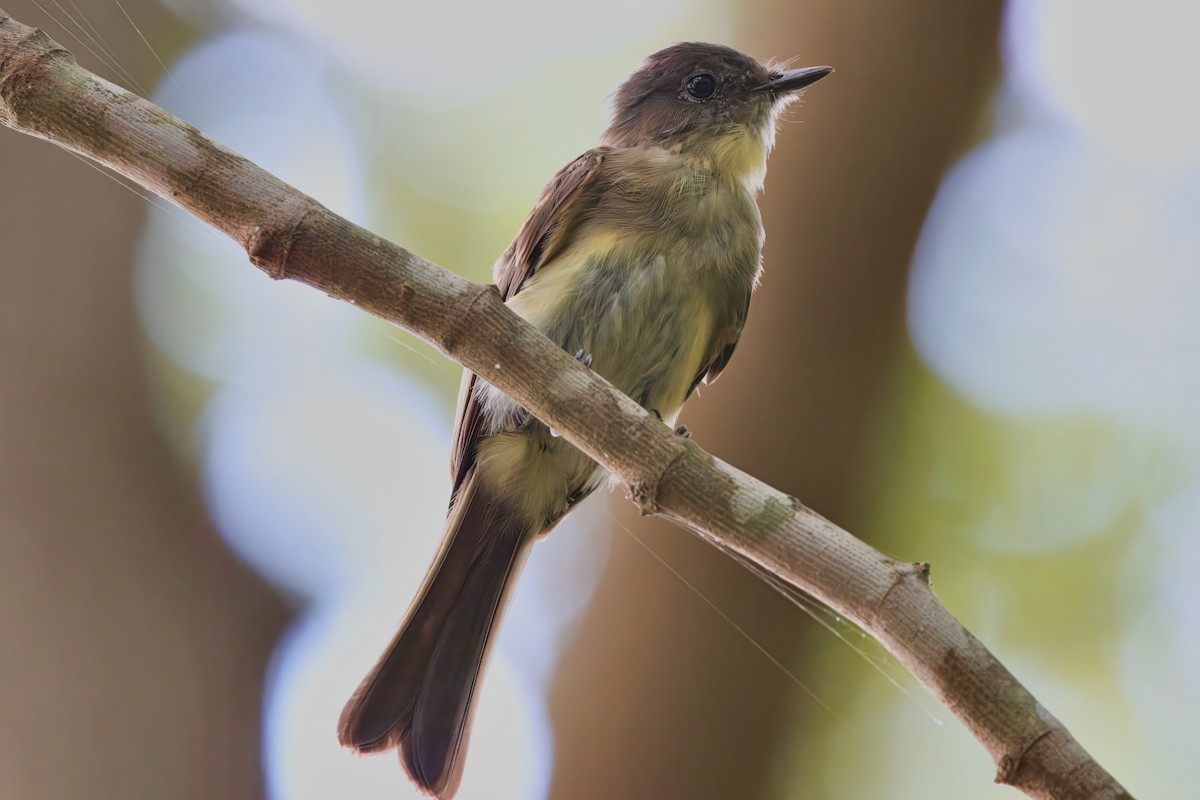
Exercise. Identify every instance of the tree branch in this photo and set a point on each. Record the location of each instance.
(287, 234)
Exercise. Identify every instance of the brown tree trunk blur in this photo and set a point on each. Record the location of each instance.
(132, 645)
(660, 698)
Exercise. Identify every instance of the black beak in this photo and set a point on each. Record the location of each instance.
(793, 80)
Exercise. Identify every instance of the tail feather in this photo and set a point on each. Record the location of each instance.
(418, 697)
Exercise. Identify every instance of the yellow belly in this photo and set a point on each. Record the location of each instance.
(646, 322)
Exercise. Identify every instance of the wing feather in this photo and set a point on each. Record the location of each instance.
(724, 343)
(545, 231)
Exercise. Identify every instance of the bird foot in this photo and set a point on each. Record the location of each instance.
(681, 430)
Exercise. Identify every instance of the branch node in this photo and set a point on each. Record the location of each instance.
(1010, 763)
(269, 247)
(644, 492)
(17, 70)
(901, 573)
(645, 497)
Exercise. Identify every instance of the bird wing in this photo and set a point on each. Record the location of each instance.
(724, 343)
(546, 230)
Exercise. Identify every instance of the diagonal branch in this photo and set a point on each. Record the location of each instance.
(287, 234)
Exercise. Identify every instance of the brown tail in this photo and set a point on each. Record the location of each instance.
(418, 697)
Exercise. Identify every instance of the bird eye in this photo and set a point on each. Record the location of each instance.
(701, 86)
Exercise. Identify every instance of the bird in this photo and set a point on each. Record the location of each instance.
(639, 258)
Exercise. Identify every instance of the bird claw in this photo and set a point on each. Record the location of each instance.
(583, 358)
(681, 430)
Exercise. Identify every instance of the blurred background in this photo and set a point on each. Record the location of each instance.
(976, 344)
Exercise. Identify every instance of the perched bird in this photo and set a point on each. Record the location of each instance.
(639, 258)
